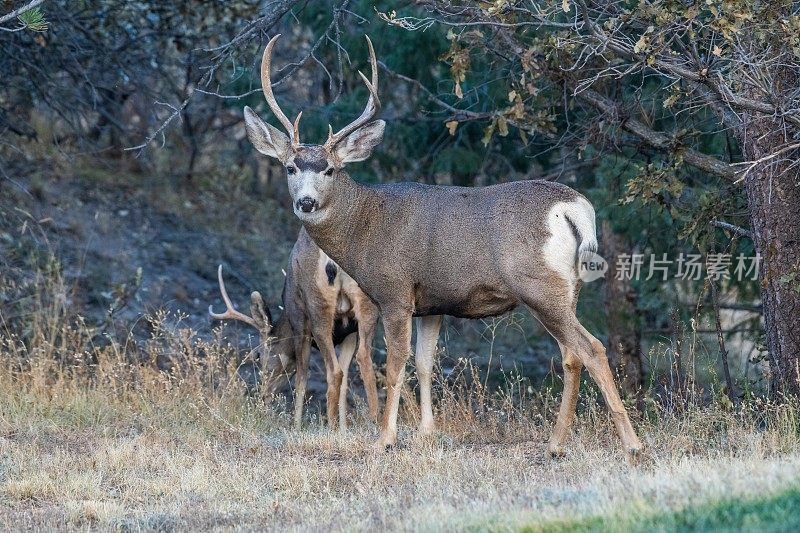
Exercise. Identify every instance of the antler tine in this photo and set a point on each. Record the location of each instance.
(373, 63)
(296, 138)
(372, 107)
(266, 86)
(230, 311)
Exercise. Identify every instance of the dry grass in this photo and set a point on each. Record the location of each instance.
(96, 435)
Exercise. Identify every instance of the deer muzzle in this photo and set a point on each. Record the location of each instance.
(307, 204)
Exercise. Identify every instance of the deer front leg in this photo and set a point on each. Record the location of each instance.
(397, 325)
(303, 351)
(323, 336)
(427, 335)
(346, 350)
(366, 336)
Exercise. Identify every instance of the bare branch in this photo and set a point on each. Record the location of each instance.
(773, 155)
(738, 230)
(457, 114)
(658, 139)
(175, 114)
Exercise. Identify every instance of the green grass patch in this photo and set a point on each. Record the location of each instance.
(775, 513)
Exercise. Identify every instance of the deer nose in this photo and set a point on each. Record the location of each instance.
(307, 204)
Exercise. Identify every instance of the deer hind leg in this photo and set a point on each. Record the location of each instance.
(397, 325)
(561, 322)
(346, 351)
(596, 362)
(572, 365)
(367, 321)
(592, 354)
(569, 400)
(427, 336)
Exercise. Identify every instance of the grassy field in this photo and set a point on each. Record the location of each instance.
(93, 440)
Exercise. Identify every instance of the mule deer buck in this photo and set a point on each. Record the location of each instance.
(321, 302)
(425, 251)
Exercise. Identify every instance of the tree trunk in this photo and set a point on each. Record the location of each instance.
(773, 197)
(624, 337)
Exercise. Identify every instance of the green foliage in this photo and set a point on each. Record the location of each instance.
(34, 20)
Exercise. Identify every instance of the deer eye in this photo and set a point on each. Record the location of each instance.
(290, 170)
(329, 172)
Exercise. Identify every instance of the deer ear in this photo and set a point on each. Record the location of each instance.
(267, 139)
(260, 313)
(359, 144)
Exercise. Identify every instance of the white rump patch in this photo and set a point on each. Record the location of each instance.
(562, 248)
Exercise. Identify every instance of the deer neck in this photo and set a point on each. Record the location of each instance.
(284, 342)
(343, 222)
(284, 335)
(282, 328)
(281, 362)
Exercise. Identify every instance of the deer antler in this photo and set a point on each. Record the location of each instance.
(262, 320)
(372, 108)
(266, 85)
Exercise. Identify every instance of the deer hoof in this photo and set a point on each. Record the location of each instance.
(556, 451)
(381, 447)
(634, 455)
(385, 443)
